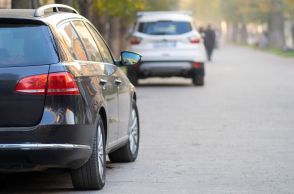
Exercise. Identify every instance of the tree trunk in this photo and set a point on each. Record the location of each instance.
(114, 36)
(243, 33)
(124, 35)
(292, 32)
(103, 25)
(25, 4)
(276, 26)
(235, 32)
(65, 2)
(85, 8)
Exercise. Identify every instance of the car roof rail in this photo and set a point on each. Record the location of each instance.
(41, 11)
(144, 13)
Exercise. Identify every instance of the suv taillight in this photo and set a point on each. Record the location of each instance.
(62, 83)
(134, 40)
(195, 39)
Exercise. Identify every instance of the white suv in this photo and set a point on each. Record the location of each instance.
(170, 46)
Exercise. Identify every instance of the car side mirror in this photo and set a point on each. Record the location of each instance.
(130, 58)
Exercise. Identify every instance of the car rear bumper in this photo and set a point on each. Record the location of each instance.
(39, 146)
(43, 147)
(38, 157)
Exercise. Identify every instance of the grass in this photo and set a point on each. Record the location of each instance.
(280, 52)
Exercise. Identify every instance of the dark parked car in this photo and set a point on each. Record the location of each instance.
(64, 102)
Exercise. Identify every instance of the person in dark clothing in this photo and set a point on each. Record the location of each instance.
(209, 41)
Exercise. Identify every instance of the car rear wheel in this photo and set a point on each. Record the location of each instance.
(91, 176)
(198, 80)
(129, 152)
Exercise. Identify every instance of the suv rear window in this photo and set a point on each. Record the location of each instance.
(26, 45)
(164, 27)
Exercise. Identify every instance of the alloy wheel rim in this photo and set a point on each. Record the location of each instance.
(100, 153)
(133, 132)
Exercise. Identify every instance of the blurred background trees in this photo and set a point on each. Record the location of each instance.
(267, 23)
(115, 18)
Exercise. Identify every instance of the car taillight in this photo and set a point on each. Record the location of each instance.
(32, 85)
(62, 83)
(195, 39)
(134, 40)
(197, 65)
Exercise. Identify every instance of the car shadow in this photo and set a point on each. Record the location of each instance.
(165, 82)
(163, 85)
(36, 182)
(52, 181)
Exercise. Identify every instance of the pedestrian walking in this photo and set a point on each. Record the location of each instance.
(209, 41)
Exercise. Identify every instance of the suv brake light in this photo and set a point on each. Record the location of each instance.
(134, 40)
(62, 83)
(197, 65)
(195, 40)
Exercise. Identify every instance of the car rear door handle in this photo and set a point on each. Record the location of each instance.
(117, 81)
(103, 83)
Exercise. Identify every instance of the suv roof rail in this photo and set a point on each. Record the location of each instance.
(143, 13)
(41, 10)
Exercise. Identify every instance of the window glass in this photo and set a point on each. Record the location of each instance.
(26, 45)
(165, 27)
(73, 42)
(88, 41)
(102, 46)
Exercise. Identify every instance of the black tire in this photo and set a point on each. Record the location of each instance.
(125, 153)
(134, 80)
(198, 80)
(132, 75)
(88, 177)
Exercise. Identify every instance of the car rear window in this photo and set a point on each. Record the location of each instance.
(26, 45)
(164, 27)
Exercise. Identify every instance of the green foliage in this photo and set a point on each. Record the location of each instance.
(120, 8)
(126, 9)
(253, 10)
(204, 10)
(160, 5)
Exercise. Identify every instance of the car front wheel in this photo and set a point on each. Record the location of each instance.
(129, 152)
(91, 176)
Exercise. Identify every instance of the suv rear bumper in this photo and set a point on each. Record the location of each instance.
(167, 69)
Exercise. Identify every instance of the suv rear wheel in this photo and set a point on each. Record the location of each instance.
(132, 75)
(129, 152)
(92, 174)
(198, 80)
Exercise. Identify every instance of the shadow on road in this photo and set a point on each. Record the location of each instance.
(37, 182)
(52, 181)
(165, 82)
(164, 85)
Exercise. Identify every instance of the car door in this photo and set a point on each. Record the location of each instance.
(93, 67)
(124, 108)
(110, 64)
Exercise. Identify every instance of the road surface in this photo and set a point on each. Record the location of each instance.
(235, 135)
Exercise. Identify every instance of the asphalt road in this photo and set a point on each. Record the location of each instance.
(235, 135)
